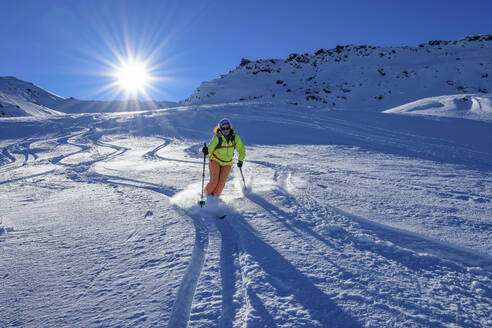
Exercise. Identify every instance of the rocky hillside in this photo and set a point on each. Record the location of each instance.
(359, 77)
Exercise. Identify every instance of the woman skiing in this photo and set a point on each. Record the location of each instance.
(221, 150)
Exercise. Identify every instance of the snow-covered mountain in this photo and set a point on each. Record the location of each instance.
(346, 77)
(359, 77)
(21, 98)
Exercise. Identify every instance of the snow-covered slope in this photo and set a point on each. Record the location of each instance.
(21, 98)
(350, 219)
(359, 77)
(468, 106)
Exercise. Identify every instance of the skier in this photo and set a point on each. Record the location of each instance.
(221, 150)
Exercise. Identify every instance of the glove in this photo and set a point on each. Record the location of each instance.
(239, 163)
(205, 150)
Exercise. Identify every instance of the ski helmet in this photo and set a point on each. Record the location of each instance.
(224, 121)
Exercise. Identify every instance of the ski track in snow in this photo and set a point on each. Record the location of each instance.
(182, 305)
(286, 254)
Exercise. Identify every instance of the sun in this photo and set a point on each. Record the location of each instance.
(133, 77)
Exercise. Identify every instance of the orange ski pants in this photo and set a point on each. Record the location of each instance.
(218, 177)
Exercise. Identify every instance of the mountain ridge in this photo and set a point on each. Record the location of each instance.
(351, 77)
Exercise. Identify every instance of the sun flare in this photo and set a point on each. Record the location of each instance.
(133, 77)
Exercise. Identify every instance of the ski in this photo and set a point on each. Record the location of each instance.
(222, 217)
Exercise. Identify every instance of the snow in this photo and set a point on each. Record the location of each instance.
(350, 219)
(473, 106)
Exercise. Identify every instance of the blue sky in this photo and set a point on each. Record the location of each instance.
(70, 47)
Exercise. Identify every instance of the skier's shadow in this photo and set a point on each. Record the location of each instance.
(285, 218)
(286, 278)
(228, 254)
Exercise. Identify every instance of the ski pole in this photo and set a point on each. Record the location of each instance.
(202, 202)
(242, 175)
